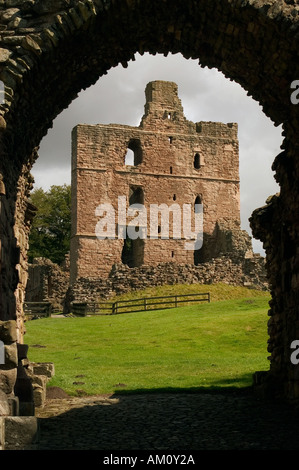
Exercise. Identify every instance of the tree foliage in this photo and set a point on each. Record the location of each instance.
(51, 227)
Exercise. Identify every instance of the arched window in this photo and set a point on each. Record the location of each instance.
(136, 195)
(134, 153)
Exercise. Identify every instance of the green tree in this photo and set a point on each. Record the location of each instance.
(51, 227)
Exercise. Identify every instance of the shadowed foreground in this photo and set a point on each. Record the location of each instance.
(226, 420)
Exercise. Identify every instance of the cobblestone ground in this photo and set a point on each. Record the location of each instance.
(168, 421)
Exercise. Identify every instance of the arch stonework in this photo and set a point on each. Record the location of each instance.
(52, 49)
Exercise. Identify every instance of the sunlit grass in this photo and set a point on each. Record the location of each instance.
(204, 345)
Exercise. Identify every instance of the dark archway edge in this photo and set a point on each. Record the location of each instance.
(253, 42)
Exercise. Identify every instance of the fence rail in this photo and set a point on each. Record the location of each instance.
(38, 308)
(137, 305)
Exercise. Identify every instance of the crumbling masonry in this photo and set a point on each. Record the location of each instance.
(167, 161)
(52, 49)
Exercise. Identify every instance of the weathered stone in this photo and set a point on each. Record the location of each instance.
(30, 44)
(254, 43)
(11, 355)
(21, 433)
(47, 282)
(4, 405)
(10, 13)
(46, 369)
(4, 55)
(175, 162)
(7, 380)
(8, 333)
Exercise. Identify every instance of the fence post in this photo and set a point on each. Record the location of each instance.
(176, 301)
(144, 303)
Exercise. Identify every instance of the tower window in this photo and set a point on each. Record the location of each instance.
(197, 161)
(197, 202)
(136, 195)
(134, 153)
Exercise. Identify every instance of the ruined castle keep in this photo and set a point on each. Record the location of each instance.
(168, 161)
(51, 50)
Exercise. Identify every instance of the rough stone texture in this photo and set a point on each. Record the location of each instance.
(52, 50)
(176, 162)
(8, 370)
(47, 282)
(40, 374)
(248, 272)
(21, 432)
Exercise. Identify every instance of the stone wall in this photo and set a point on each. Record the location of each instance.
(22, 388)
(177, 163)
(248, 272)
(51, 50)
(48, 282)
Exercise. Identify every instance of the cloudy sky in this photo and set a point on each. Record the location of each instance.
(206, 95)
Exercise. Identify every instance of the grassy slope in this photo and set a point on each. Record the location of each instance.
(207, 345)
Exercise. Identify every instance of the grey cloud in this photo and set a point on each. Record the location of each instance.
(206, 95)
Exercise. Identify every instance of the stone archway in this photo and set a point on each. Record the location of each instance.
(50, 50)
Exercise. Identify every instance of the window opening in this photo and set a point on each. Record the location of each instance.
(133, 250)
(134, 153)
(197, 161)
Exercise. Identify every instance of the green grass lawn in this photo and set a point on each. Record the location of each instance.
(220, 344)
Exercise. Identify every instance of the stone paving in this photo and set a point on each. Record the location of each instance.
(168, 421)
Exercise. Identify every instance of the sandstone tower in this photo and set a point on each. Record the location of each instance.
(172, 160)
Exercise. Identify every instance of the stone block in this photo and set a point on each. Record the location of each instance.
(14, 406)
(7, 380)
(8, 331)
(39, 394)
(4, 405)
(44, 368)
(2, 434)
(11, 355)
(21, 433)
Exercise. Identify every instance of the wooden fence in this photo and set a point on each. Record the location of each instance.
(40, 309)
(136, 305)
